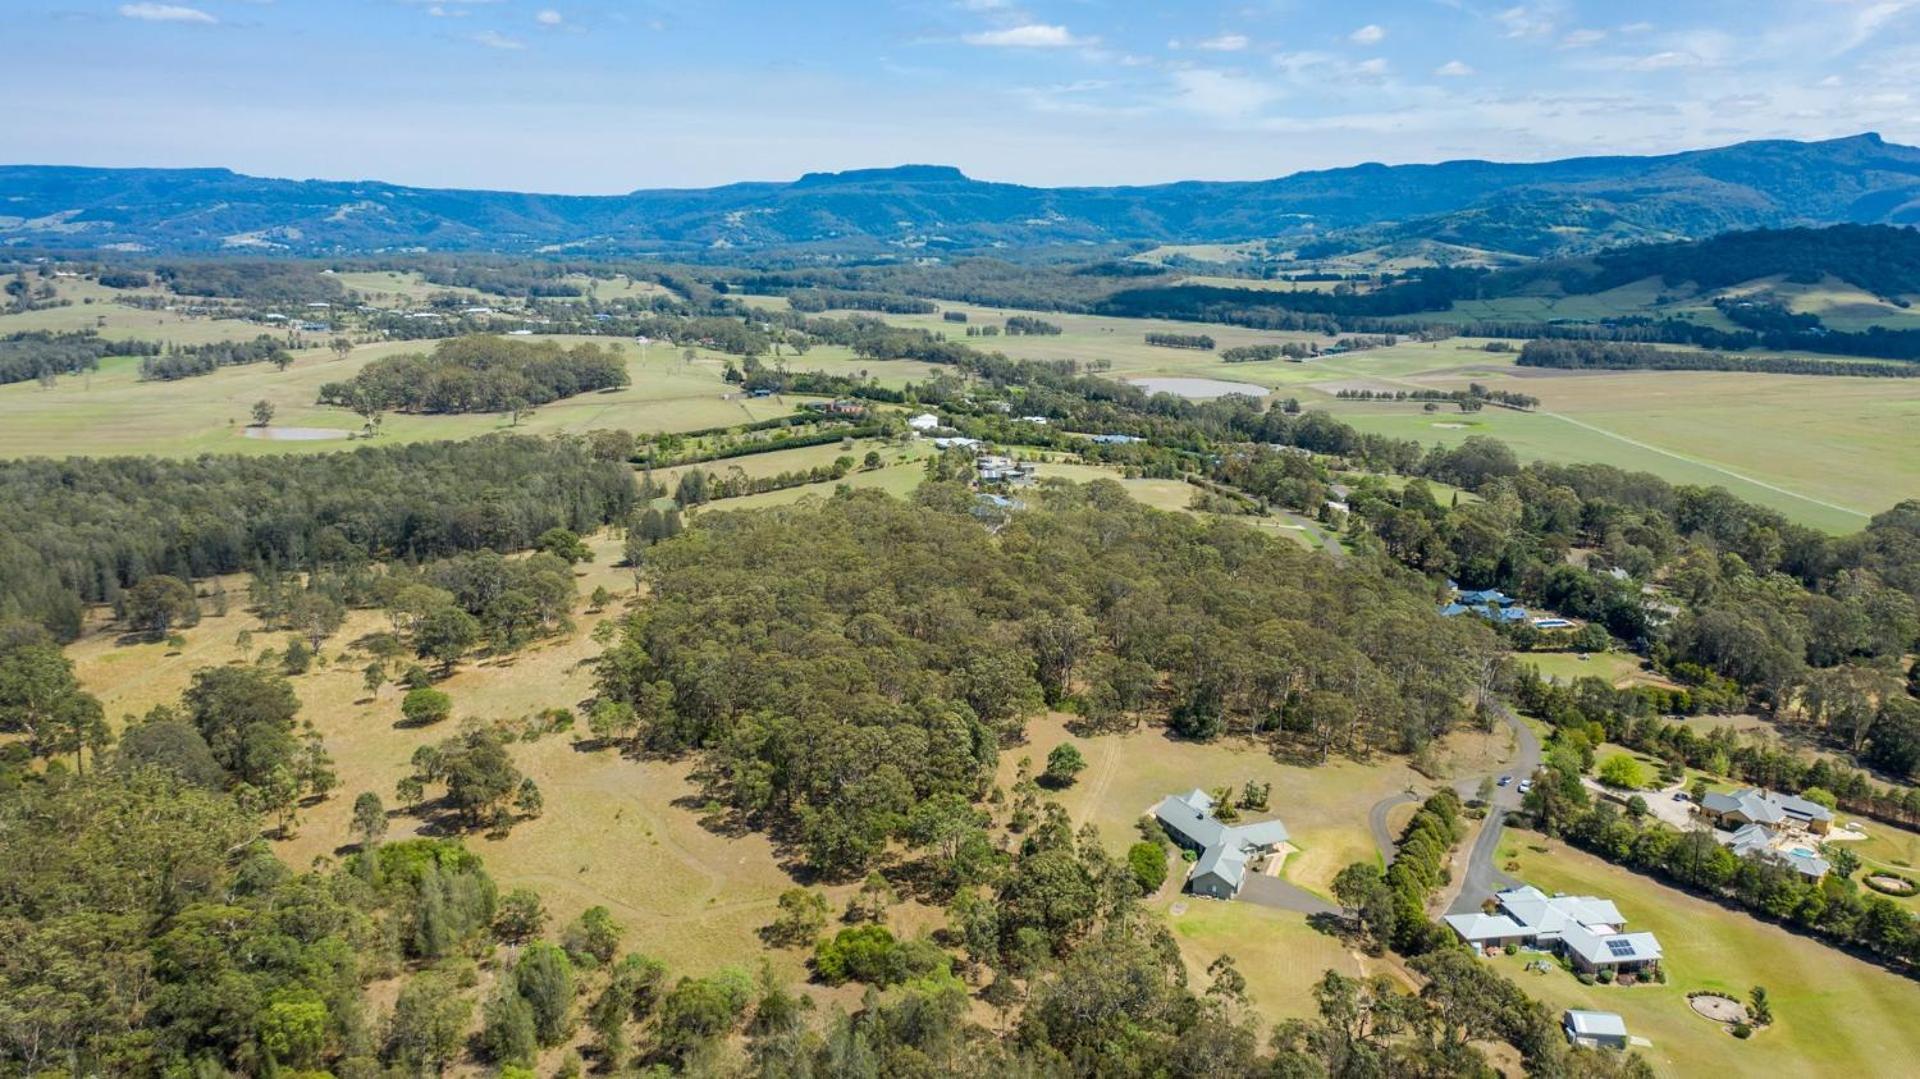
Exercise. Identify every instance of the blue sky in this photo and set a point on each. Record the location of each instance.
(601, 96)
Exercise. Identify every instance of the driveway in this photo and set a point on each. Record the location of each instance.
(1482, 878)
(1270, 891)
(1662, 804)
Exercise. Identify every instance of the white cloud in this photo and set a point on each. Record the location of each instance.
(1663, 61)
(494, 39)
(167, 13)
(1580, 39)
(1371, 68)
(1223, 43)
(1370, 34)
(549, 17)
(1453, 69)
(1221, 94)
(1030, 36)
(1524, 21)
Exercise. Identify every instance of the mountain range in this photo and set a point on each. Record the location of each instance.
(1464, 207)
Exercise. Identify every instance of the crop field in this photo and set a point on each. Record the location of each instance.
(112, 412)
(1834, 1014)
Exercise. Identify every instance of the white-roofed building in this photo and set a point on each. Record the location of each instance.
(1584, 928)
(1595, 1030)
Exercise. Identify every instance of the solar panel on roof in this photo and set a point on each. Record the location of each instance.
(1620, 947)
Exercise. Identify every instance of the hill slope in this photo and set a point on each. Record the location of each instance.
(1552, 207)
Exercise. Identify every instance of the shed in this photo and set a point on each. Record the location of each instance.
(1596, 1030)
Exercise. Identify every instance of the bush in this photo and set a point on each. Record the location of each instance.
(869, 953)
(424, 707)
(1148, 863)
(1742, 1030)
(1623, 773)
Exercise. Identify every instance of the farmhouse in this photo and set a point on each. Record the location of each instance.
(1770, 809)
(1583, 928)
(926, 421)
(1595, 1030)
(1489, 603)
(1224, 849)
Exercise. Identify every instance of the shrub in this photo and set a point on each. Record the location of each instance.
(425, 706)
(1148, 863)
(869, 953)
(1623, 773)
(1742, 1030)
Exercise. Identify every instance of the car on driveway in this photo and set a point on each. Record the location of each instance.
(1682, 796)
(1526, 785)
(1504, 780)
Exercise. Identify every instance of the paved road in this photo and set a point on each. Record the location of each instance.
(1483, 879)
(1274, 892)
(1377, 821)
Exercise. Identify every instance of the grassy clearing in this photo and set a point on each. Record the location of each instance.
(112, 412)
(619, 832)
(1834, 1014)
(93, 308)
(1325, 807)
(1281, 956)
(1619, 669)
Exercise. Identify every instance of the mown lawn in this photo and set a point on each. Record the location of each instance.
(1834, 1014)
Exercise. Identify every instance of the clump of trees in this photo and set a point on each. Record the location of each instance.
(188, 361)
(479, 373)
(1198, 341)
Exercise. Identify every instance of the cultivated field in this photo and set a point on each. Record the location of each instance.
(1834, 1014)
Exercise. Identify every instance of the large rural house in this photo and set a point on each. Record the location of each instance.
(1583, 928)
(1770, 809)
(1224, 849)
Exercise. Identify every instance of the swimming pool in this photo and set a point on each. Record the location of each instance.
(1802, 852)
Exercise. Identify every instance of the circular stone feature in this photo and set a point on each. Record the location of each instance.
(1888, 883)
(1718, 1008)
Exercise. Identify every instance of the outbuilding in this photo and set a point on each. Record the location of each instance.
(1595, 1030)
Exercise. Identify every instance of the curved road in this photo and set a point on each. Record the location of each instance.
(1482, 879)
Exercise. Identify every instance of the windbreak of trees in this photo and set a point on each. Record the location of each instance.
(83, 530)
(910, 642)
(1630, 355)
(820, 299)
(190, 360)
(481, 373)
(44, 354)
(1198, 341)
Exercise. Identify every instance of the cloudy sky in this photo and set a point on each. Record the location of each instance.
(601, 96)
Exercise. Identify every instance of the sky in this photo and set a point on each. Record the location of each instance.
(605, 96)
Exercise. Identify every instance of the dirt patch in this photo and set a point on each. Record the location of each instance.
(1891, 884)
(1717, 1008)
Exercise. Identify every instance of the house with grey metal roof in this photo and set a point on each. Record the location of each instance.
(1585, 929)
(1758, 841)
(1595, 1030)
(1756, 805)
(1224, 850)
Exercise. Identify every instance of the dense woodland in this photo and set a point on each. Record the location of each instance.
(909, 643)
(481, 373)
(85, 530)
(187, 361)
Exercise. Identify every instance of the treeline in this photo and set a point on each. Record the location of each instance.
(819, 299)
(1031, 589)
(188, 361)
(1628, 355)
(1181, 340)
(44, 354)
(1292, 350)
(1881, 259)
(481, 373)
(83, 530)
(1391, 907)
(1633, 717)
(1470, 399)
(1028, 326)
(1422, 290)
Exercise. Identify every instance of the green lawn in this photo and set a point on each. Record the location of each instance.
(1281, 956)
(1835, 1014)
(1618, 668)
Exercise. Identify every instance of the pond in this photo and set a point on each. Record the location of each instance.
(1198, 389)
